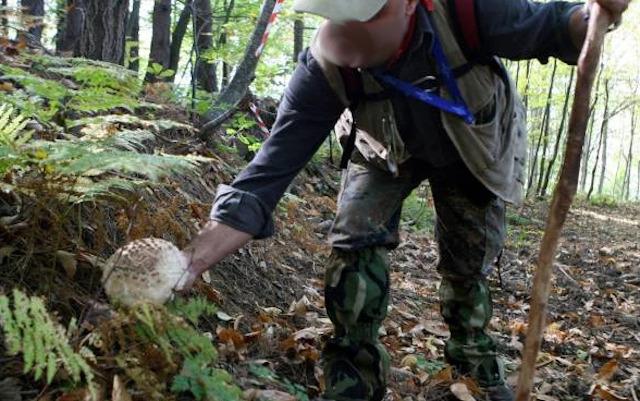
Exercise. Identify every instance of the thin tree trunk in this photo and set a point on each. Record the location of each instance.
(638, 183)
(603, 128)
(298, 38)
(35, 11)
(587, 152)
(603, 166)
(525, 98)
(626, 182)
(177, 37)
(556, 147)
(3, 20)
(160, 52)
(205, 69)
(587, 147)
(133, 36)
(545, 145)
(534, 164)
(103, 35)
(239, 85)
(226, 68)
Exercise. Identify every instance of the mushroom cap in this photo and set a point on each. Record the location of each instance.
(145, 270)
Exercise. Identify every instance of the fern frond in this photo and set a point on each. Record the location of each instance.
(44, 344)
(12, 127)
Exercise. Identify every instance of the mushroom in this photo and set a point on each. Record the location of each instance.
(145, 270)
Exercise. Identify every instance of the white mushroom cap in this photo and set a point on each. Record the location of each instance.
(145, 270)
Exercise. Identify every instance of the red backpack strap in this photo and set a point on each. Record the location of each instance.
(463, 15)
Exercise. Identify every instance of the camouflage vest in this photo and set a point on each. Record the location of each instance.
(493, 150)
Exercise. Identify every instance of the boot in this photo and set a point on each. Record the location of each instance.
(501, 392)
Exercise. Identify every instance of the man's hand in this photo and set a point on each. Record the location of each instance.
(615, 7)
(579, 19)
(211, 245)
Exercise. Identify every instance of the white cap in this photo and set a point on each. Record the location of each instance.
(340, 10)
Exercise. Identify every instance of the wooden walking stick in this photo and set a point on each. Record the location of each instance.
(562, 196)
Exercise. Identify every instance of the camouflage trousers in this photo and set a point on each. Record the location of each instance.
(470, 230)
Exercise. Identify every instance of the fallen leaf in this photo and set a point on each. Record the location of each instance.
(68, 262)
(607, 371)
(444, 376)
(608, 395)
(119, 392)
(230, 335)
(409, 361)
(267, 395)
(223, 316)
(461, 391)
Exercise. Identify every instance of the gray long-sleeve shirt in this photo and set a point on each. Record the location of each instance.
(513, 29)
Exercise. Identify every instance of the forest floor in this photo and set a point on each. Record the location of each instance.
(270, 323)
(591, 348)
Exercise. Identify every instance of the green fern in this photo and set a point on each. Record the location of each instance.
(205, 382)
(12, 132)
(181, 354)
(44, 344)
(192, 309)
(13, 138)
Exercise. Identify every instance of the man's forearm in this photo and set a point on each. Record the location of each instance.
(214, 242)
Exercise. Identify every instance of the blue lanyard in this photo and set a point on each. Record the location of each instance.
(457, 107)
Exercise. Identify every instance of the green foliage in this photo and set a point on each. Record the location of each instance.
(268, 375)
(155, 347)
(205, 382)
(603, 201)
(85, 167)
(41, 98)
(192, 309)
(416, 212)
(44, 344)
(239, 127)
(159, 71)
(431, 366)
(94, 99)
(13, 138)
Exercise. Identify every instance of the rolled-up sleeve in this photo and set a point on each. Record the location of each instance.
(306, 115)
(521, 29)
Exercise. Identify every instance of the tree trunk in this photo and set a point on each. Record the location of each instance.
(556, 147)
(626, 182)
(205, 68)
(103, 34)
(35, 10)
(239, 85)
(534, 157)
(3, 20)
(525, 98)
(177, 37)
(543, 130)
(638, 183)
(160, 52)
(603, 128)
(61, 20)
(603, 166)
(586, 153)
(222, 41)
(76, 14)
(133, 36)
(298, 38)
(545, 145)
